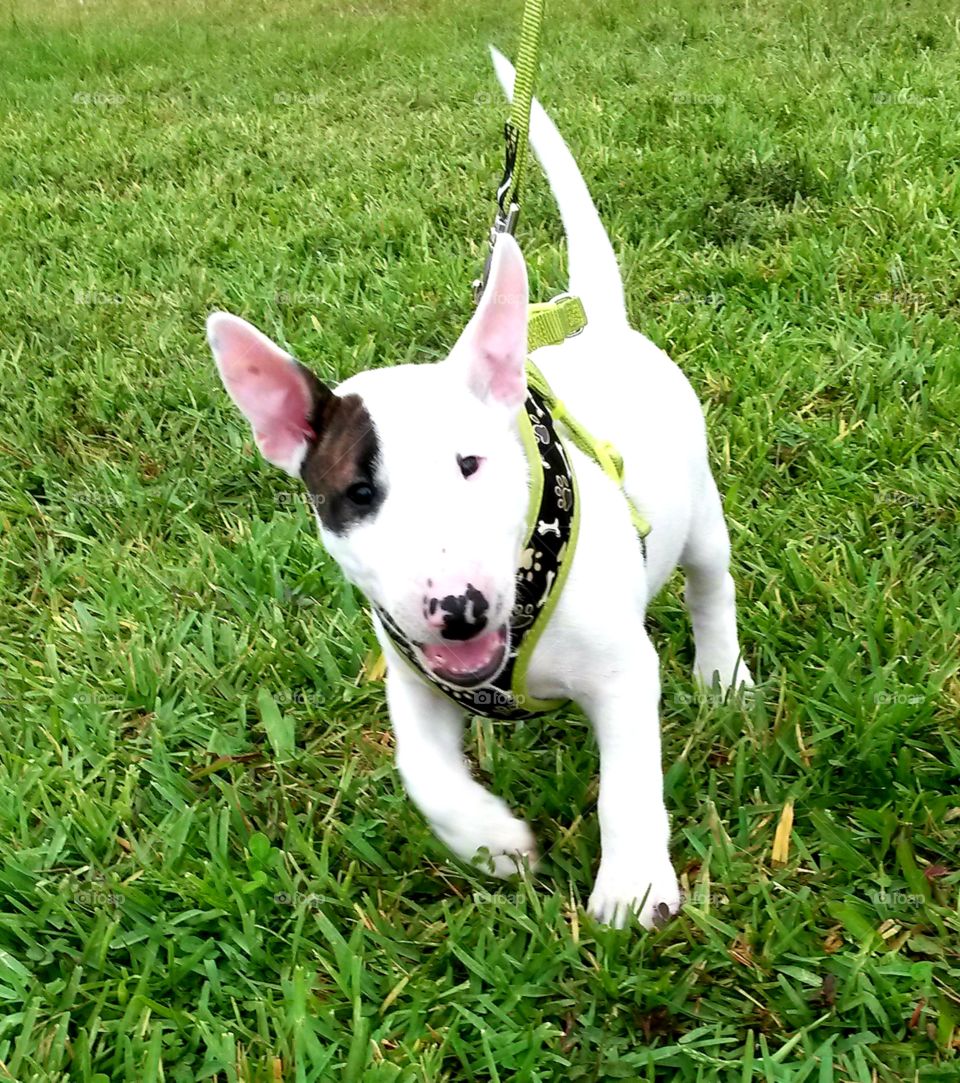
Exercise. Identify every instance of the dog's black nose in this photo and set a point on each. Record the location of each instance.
(464, 615)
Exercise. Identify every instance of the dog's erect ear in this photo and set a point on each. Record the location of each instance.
(493, 347)
(279, 397)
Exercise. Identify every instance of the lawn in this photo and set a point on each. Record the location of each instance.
(208, 867)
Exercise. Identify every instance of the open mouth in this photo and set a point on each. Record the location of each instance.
(465, 663)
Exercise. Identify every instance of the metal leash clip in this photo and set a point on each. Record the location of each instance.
(500, 225)
(506, 219)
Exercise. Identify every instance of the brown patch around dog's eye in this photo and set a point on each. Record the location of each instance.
(341, 465)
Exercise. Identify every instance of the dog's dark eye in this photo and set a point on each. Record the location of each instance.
(360, 494)
(468, 464)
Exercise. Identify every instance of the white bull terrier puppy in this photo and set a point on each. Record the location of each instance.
(421, 483)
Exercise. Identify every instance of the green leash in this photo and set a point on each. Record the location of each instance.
(516, 133)
(518, 126)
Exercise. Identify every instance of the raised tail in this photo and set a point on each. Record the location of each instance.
(593, 271)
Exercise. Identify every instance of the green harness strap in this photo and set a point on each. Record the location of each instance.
(548, 324)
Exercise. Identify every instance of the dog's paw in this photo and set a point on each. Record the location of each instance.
(652, 893)
(721, 677)
(490, 837)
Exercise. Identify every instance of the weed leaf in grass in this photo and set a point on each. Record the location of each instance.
(279, 727)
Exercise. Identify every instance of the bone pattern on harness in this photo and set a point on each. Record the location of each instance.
(543, 564)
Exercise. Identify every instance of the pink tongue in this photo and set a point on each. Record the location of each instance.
(464, 657)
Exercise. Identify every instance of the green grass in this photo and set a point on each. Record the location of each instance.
(209, 868)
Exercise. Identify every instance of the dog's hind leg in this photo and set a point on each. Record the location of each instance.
(710, 594)
(429, 737)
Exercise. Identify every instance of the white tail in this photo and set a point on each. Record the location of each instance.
(593, 272)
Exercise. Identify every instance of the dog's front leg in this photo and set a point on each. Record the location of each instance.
(635, 871)
(429, 736)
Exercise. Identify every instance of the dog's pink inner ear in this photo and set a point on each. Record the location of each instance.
(495, 339)
(269, 387)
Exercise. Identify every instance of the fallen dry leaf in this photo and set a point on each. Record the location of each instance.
(781, 839)
(741, 952)
(833, 941)
(827, 993)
